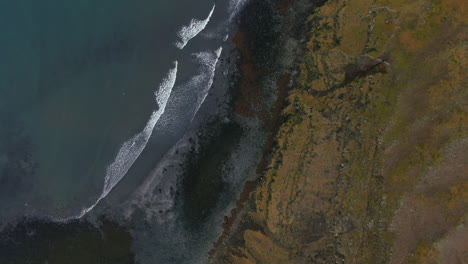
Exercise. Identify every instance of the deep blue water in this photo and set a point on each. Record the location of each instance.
(102, 107)
(77, 80)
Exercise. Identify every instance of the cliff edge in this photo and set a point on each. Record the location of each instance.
(370, 163)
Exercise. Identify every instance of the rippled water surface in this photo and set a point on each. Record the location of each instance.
(83, 84)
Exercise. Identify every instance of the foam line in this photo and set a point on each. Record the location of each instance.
(132, 148)
(235, 6)
(210, 62)
(186, 33)
(199, 85)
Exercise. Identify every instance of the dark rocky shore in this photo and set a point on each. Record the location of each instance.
(269, 43)
(335, 132)
(255, 94)
(368, 164)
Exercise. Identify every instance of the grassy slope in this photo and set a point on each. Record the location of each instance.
(371, 163)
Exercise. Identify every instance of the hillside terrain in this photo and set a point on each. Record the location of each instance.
(370, 161)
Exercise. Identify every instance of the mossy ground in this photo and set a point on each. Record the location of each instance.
(369, 169)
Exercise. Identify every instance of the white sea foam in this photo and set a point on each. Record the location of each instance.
(188, 99)
(158, 204)
(235, 6)
(219, 32)
(132, 148)
(187, 33)
(206, 75)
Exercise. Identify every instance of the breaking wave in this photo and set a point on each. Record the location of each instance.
(206, 75)
(132, 148)
(235, 6)
(188, 99)
(187, 33)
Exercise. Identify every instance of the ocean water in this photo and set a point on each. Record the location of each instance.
(87, 86)
(101, 104)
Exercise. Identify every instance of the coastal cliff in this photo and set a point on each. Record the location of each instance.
(369, 161)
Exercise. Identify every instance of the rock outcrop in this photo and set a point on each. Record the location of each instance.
(371, 162)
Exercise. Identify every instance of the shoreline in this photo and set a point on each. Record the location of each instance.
(248, 104)
(373, 126)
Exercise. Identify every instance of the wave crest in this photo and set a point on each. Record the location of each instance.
(187, 33)
(189, 98)
(207, 74)
(235, 6)
(132, 148)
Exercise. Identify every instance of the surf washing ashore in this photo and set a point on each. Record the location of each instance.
(187, 33)
(182, 162)
(81, 101)
(250, 131)
(132, 148)
(118, 164)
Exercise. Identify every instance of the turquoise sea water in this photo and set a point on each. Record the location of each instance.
(77, 80)
(118, 143)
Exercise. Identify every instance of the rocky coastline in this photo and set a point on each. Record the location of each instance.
(374, 116)
(353, 114)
